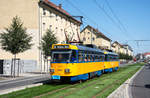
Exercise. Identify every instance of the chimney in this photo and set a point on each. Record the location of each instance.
(60, 5)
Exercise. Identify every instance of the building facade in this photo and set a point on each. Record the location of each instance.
(60, 22)
(90, 35)
(124, 49)
(128, 49)
(38, 16)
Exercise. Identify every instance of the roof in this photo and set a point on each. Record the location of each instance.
(116, 43)
(89, 49)
(59, 9)
(76, 47)
(97, 32)
(148, 53)
(129, 47)
(110, 53)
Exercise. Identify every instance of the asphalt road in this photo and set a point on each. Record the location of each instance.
(124, 64)
(7, 84)
(140, 87)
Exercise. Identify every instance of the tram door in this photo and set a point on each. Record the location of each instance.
(1, 66)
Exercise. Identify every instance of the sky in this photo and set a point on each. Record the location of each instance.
(120, 20)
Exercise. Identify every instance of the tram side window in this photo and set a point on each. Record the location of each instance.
(81, 56)
(106, 57)
(92, 57)
(96, 58)
(111, 58)
(101, 58)
(85, 58)
(115, 58)
(88, 58)
(73, 56)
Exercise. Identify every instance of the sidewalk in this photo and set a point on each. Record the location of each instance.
(22, 76)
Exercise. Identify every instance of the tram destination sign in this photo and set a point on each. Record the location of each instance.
(61, 46)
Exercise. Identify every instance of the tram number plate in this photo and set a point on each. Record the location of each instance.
(61, 46)
(56, 77)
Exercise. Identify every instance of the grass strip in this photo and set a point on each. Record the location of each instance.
(82, 90)
(34, 91)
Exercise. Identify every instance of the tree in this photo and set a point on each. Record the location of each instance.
(15, 38)
(47, 40)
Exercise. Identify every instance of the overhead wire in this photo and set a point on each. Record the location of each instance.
(113, 21)
(86, 17)
(115, 16)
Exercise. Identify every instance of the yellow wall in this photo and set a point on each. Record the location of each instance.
(27, 10)
(111, 64)
(76, 68)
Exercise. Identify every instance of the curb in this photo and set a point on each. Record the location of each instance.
(131, 81)
(18, 88)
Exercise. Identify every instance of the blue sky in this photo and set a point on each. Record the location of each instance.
(133, 14)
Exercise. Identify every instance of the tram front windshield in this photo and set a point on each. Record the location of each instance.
(61, 57)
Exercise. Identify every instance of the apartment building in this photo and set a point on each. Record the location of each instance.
(38, 16)
(128, 49)
(90, 35)
(119, 48)
(59, 21)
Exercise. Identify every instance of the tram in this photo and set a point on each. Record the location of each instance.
(76, 62)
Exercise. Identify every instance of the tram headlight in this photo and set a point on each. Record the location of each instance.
(67, 70)
(52, 70)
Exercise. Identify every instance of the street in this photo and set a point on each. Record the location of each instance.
(140, 88)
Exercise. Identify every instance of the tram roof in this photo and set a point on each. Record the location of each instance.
(110, 53)
(89, 49)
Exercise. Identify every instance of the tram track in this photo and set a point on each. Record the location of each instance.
(67, 87)
(73, 85)
(95, 81)
(57, 90)
(86, 86)
(113, 84)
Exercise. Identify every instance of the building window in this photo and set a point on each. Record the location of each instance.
(88, 38)
(44, 26)
(56, 27)
(50, 27)
(93, 38)
(44, 11)
(56, 17)
(49, 13)
(88, 32)
(84, 39)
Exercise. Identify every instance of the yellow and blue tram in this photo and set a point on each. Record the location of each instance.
(75, 62)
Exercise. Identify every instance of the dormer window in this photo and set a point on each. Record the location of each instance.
(44, 11)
